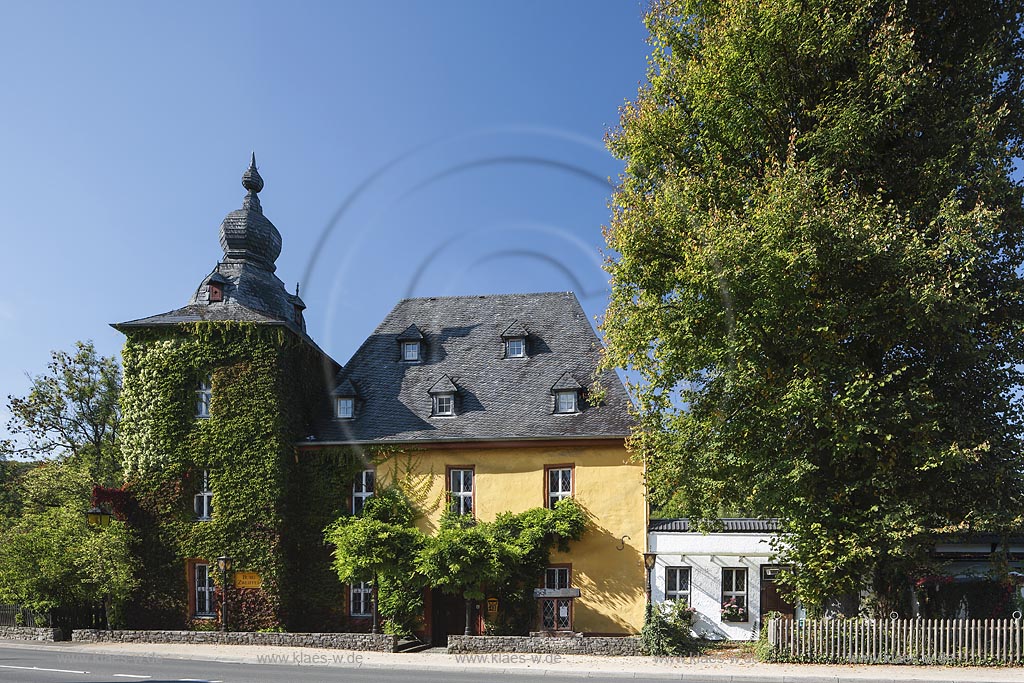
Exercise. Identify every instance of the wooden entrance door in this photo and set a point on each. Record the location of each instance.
(447, 617)
(772, 599)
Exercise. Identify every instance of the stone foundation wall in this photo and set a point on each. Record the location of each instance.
(26, 633)
(341, 641)
(626, 646)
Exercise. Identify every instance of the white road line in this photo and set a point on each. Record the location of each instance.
(36, 668)
(130, 676)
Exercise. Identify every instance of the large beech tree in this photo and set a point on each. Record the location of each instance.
(816, 273)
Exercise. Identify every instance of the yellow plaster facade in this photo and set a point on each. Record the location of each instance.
(607, 563)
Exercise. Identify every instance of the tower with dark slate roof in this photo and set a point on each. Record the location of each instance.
(216, 394)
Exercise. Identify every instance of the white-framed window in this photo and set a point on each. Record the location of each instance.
(677, 584)
(515, 348)
(460, 491)
(344, 407)
(360, 599)
(204, 588)
(203, 501)
(410, 350)
(204, 395)
(559, 484)
(734, 593)
(444, 404)
(362, 488)
(556, 613)
(565, 402)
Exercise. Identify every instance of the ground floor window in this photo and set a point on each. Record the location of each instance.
(734, 594)
(204, 591)
(677, 584)
(360, 604)
(556, 613)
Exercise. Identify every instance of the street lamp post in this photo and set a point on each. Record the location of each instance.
(224, 564)
(373, 605)
(649, 560)
(98, 517)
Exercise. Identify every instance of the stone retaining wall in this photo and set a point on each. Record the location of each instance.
(626, 646)
(342, 641)
(27, 633)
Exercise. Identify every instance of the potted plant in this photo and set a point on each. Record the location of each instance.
(733, 611)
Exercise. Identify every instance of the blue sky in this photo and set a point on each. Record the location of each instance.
(408, 148)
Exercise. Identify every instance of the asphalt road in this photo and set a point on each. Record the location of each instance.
(49, 664)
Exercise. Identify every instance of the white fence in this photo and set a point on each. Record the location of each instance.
(897, 641)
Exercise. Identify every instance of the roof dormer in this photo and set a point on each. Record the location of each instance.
(567, 393)
(514, 340)
(442, 396)
(215, 285)
(345, 397)
(411, 345)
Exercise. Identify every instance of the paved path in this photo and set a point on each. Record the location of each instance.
(240, 663)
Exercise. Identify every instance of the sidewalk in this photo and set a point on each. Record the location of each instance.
(710, 669)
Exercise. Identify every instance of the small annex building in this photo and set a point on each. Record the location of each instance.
(711, 571)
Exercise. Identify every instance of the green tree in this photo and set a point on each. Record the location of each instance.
(50, 557)
(72, 412)
(816, 273)
(462, 558)
(381, 546)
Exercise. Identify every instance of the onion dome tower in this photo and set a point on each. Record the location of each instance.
(243, 286)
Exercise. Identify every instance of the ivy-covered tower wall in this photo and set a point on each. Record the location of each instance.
(216, 396)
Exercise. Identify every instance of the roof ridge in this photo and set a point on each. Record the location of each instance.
(484, 296)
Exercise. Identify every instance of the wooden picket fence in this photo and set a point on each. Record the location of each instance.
(897, 641)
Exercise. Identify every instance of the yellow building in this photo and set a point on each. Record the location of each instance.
(496, 405)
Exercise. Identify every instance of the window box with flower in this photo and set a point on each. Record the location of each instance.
(733, 611)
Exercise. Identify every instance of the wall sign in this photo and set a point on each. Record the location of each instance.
(248, 580)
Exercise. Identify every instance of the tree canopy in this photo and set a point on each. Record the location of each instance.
(816, 273)
(71, 411)
(50, 557)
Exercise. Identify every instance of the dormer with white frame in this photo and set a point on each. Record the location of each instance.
(411, 345)
(514, 340)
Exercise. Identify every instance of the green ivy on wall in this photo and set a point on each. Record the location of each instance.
(268, 388)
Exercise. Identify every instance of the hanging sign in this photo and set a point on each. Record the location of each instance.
(556, 592)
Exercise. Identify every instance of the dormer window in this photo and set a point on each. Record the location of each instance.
(442, 395)
(344, 407)
(215, 287)
(566, 392)
(515, 348)
(204, 395)
(444, 405)
(566, 402)
(410, 345)
(514, 338)
(345, 395)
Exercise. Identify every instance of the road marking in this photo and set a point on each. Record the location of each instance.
(36, 668)
(130, 676)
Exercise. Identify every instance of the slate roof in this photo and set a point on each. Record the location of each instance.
(734, 525)
(497, 398)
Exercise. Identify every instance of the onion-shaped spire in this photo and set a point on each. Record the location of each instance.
(245, 234)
